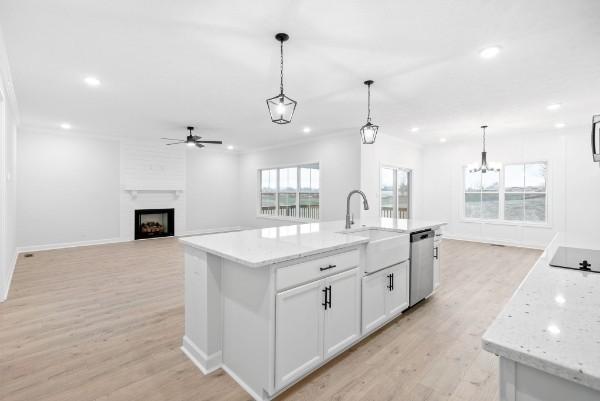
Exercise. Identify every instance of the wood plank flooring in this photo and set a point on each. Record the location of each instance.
(106, 322)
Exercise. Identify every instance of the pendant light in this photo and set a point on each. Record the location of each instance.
(281, 107)
(368, 132)
(484, 167)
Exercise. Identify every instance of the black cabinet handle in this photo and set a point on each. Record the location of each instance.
(392, 277)
(325, 292)
(327, 268)
(390, 285)
(436, 252)
(329, 288)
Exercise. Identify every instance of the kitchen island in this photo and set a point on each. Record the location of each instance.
(271, 305)
(548, 335)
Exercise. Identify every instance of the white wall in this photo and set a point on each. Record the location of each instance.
(8, 144)
(582, 187)
(339, 161)
(395, 152)
(68, 189)
(212, 190)
(442, 197)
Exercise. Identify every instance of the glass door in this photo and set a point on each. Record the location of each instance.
(395, 183)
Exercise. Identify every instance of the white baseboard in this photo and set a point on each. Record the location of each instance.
(493, 242)
(207, 364)
(11, 266)
(46, 247)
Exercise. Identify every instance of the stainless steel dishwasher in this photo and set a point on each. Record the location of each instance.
(421, 265)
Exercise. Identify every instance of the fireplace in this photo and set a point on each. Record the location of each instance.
(154, 223)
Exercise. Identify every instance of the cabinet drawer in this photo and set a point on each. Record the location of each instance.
(314, 269)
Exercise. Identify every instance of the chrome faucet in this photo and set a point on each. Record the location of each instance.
(349, 221)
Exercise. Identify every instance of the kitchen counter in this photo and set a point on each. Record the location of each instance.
(552, 322)
(266, 246)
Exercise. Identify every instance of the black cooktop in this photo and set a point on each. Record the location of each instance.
(577, 258)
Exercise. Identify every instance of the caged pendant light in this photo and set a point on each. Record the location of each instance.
(281, 107)
(368, 132)
(484, 167)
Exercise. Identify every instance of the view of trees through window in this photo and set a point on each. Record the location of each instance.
(395, 192)
(290, 192)
(521, 197)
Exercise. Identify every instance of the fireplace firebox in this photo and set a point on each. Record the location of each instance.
(154, 223)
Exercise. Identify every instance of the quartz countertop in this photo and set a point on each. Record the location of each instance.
(265, 246)
(552, 322)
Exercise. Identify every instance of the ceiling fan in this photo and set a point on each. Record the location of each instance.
(191, 140)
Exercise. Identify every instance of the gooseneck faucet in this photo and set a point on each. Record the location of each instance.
(365, 205)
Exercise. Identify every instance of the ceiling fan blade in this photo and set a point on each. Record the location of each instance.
(171, 139)
(199, 145)
(215, 142)
(196, 137)
(174, 143)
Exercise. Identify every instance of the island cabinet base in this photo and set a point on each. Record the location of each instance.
(268, 327)
(520, 382)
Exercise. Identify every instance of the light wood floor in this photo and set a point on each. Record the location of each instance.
(105, 323)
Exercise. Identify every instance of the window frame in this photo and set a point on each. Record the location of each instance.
(410, 172)
(502, 192)
(276, 216)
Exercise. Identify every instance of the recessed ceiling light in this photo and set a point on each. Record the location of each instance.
(92, 81)
(230, 147)
(553, 329)
(65, 126)
(560, 125)
(553, 106)
(442, 140)
(490, 52)
(306, 130)
(414, 129)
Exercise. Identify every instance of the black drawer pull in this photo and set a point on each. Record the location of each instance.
(326, 303)
(327, 268)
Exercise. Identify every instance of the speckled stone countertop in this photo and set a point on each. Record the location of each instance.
(265, 246)
(552, 322)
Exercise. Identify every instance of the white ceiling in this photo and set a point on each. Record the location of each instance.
(167, 64)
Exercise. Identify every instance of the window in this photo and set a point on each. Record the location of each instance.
(290, 192)
(395, 192)
(525, 192)
(482, 196)
(519, 195)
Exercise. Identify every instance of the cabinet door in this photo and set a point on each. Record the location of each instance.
(298, 331)
(436, 264)
(342, 316)
(374, 287)
(397, 297)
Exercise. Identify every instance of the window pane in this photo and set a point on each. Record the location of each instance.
(268, 180)
(514, 178)
(473, 205)
(387, 192)
(267, 204)
(491, 181)
(490, 205)
(513, 206)
(535, 207)
(309, 206)
(287, 205)
(535, 177)
(309, 178)
(288, 178)
(403, 193)
(472, 181)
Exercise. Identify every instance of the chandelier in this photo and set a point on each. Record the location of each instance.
(484, 167)
(281, 107)
(368, 132)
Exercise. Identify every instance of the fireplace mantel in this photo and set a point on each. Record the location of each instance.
(133, 192)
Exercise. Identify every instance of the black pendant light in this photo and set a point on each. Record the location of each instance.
(368, 132)
(484, 167)
(281, 107)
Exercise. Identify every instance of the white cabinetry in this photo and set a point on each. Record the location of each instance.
(314, 322)
(385, 294)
